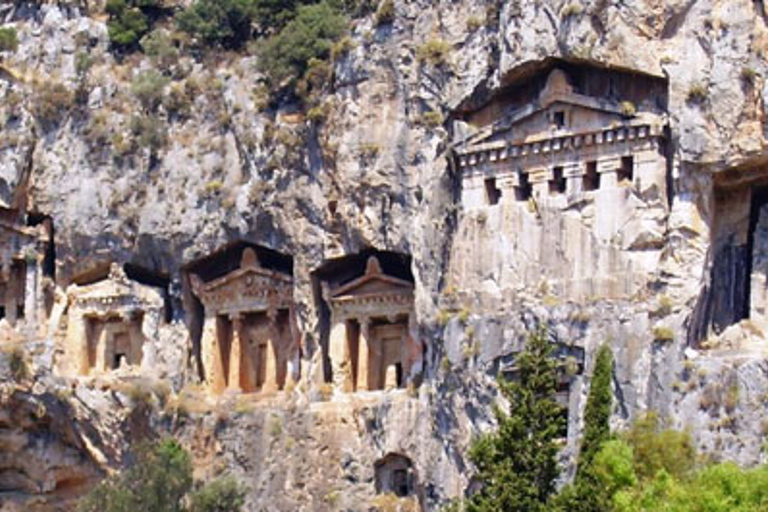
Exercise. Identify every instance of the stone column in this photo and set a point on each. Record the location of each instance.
(101, 364)
(538, 179)
(210, 349)
(75, 360)
(235, 354)
(337, 349)
(607, 168)
(363, 350)
(574, 176)
(270, 371)
(30, 294)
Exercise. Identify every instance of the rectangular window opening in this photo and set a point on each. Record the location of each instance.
(492, 192)
(591, 178)
(523, 189)
(558, 183)
(625, 172)
(559, 119)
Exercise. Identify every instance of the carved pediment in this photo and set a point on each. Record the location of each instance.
(249, 288)
(114, 294)
(373, 283)
(559, 115)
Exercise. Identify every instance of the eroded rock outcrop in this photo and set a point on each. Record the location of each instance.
(597, 167)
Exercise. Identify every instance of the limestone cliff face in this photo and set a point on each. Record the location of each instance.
(375, 173)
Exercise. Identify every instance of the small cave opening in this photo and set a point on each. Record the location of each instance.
(155, 279)
(213, 266)
(336, 272)
(395, 474)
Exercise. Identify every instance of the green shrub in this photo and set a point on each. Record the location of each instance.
(9, 42)
(285, 57)
(160, 47)
(128, 21)
(748, 74)
(663, 334)
(160, 480)
(435, 52)
(657, 449)
(385, 13)
(148, 88)
(628, 109)
(150, 132)
(221, 495)
(177, 102)
(697, 93)
(17, 363)
(222, 23)
(51, 103)
(83, 63)
(432, 119)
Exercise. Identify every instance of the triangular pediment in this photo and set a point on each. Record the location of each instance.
(558, 111)
(373, 282)
(538, 122)
(250, 276)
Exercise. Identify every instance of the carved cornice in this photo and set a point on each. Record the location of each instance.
(500, 151)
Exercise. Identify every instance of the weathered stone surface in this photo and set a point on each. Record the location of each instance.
(637, 267)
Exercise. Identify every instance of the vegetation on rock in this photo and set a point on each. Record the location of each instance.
(9, 42)
(308, 38)
(129, 20)
(161, 480)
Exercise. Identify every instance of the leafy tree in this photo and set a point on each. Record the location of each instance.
(221, 495)
(285, 57)
(129, 20)
(223, 23)
(160, 481)
(517, 464)
(656, 449)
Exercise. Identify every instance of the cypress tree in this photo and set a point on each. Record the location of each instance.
(587, 493)
(517, 464)
(597, 413)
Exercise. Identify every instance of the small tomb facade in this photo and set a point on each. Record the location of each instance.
(249, 341)
(111, 325)
(22, 250)
(373, 341)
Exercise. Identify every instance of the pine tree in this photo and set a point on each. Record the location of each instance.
(517, 464)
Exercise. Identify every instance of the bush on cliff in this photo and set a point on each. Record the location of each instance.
(129, 20)
(160, 480)
(286, 57)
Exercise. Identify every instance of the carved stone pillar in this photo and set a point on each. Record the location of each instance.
(270, 372)
(210, 348)
(337, 348)
(235, 354)
(363, 359)
(390, 380)
(30, 293)
(76, 361)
